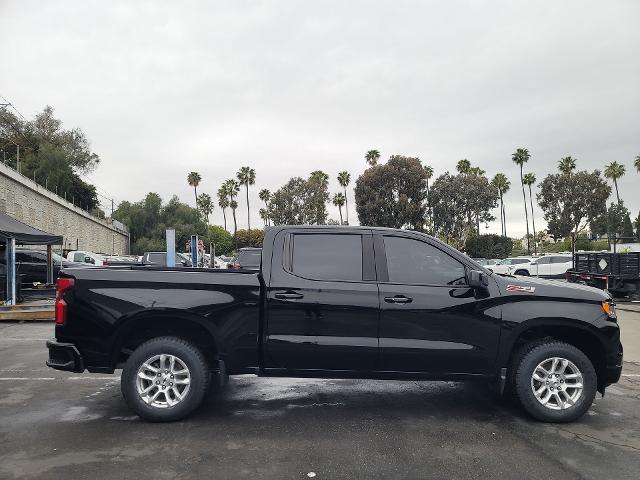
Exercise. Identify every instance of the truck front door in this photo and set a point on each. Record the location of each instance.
(431, 321)
(322, 302)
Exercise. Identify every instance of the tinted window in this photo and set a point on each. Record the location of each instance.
(560, 259)
(250, 258)
(328, 257)
(78, 257)
(515, 261)
(543, 260)
(158, 258)
(23, 257)
(414, 262)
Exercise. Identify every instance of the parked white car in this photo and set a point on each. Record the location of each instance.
(509, 265)
(549, 266)
(82, 256)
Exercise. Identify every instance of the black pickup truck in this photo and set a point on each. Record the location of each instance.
(337, 302)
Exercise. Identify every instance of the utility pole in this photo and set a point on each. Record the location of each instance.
(112, 208)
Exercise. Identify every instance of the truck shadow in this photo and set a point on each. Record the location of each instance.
(264, 398)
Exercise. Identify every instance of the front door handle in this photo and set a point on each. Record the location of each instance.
(289, 296)
(398, 299)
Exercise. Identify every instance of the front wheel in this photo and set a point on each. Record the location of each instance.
(555, 382)
(165, 379)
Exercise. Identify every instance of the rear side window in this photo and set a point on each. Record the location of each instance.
(78, 257)
(411, 261)
(327, 256)
(560, 259)
(516, 261)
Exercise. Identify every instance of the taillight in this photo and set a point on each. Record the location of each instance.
(62, 284)
(236, 266)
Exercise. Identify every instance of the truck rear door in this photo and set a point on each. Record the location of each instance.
(322, 301)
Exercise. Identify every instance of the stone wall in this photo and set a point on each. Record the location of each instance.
(34, 205)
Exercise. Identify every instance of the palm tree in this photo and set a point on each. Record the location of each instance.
(428, 173)
(247, 176)
(264, 215)
(502, 184)
(194, 179)
(636, 163)
(205, 205)
(232, 188)
(339, 201)
(529, 180)
(344, 179)
(520, 157)
(372, 157)
(265, 196)
(566, 165)
(614, 171)
(223, 203)
(463, 166)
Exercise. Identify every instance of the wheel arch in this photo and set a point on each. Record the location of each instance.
(579, 334)
(134, 330)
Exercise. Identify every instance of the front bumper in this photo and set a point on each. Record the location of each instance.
(64, 356)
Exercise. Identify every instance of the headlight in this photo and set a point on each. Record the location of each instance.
(610, 309)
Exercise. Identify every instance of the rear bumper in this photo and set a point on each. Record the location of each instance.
(64, 356)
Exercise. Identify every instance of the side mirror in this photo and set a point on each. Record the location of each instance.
(89, 260)
(477, 279)
(534, 263)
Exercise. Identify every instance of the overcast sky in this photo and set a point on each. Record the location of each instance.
(164, 88)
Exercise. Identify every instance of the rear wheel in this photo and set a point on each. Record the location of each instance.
(165, 379)
(555, 382)
(523, 273)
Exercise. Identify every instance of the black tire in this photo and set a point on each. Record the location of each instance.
(523, 384)
(522, 273)
(198, 386)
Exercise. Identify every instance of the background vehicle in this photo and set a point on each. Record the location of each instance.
(82, 256)
(246, 259)
(31, 265)
(338, 302)
(509, 265)
(160, 259)
(617, 272)
(548, 266)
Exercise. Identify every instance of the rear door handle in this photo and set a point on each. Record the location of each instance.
(398, 299)
(289, 296)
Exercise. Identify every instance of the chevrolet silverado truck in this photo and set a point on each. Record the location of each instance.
(337, 302)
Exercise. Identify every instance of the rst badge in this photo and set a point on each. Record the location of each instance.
(520, 288)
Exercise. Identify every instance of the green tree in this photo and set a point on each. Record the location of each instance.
(232, 188)
(339, 201)
(428, 175)
(637, 226)
(636, 163)
(488, 246)
(628, 235)
(614, 171)
(222, 239)
(249, 238)
(463, 166)
(502, 184)
(290, 204)
(459, 204)
(318, 183)
(572, 202)
(372, 157)
(520, 157)
(205, 205)
(194, 179)
(529, 180)
(344, 179)
(247, 176)
(392, 195)
(264, 215)
(223, 203)
(616, 215)
(567, 165)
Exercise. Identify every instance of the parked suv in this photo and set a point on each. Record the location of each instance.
(509, 265)
(549, 266)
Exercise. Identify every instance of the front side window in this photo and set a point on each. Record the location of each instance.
(411, 261)
(78, 257)
(560, 259)
(327, 256)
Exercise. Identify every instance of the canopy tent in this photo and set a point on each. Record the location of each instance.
(25, 234)
(14, 232)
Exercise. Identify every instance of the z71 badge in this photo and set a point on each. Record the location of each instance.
(520, 288)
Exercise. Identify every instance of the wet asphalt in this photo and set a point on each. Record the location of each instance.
(55, 425)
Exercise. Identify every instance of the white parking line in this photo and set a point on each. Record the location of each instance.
(48, 379)
(631, 375)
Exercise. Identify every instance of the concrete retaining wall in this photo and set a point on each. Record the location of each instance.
(34, 205)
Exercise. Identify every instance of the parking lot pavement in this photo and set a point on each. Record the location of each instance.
(56, 425)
